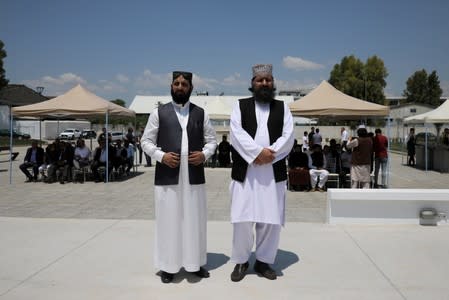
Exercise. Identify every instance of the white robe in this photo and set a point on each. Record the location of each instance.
(181, 210)
(259, 198)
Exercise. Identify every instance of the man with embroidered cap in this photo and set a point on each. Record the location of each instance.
(180, 137)
(262, 136)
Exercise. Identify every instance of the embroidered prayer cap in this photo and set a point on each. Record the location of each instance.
(263, 70)
(187, 75)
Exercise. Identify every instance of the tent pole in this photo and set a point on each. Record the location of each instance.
(107, 148)
(425, 152)
(388, 151)
(135, 142)
(10, 144)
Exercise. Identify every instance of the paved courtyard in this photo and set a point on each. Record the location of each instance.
(94, 241)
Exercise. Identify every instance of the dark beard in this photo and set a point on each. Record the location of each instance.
(179, 97)
(264, 94)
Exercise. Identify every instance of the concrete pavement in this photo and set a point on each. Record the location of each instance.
(95, 241)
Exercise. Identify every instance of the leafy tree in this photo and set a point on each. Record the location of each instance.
(120, 102)
(423, 88)
(434, 89)
(375, 74)
(3, 80)
(360, 80)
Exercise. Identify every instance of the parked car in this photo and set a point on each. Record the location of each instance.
(70, 134)
(15, 134)
(117, 135)
(88, 134)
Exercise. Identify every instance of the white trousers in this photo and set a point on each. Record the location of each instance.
(267, 242)
(322, 174)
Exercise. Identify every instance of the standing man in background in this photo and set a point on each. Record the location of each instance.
(180, 138)
(224, 153)
(362, 152)
(344, 137)
(262, 136)
(380, 148)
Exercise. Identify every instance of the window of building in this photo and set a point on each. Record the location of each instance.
(413, 110)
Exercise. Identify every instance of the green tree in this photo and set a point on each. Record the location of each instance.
(3, 80)
(374, 78)
(434, 89)
(360, 80)
(423, 88)
(120, 102)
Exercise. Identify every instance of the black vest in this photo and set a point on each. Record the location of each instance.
(249, 124)
(169, 139)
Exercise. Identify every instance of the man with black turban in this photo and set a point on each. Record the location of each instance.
(180, 138)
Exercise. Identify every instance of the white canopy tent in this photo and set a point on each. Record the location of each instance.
(77, 102)
(438, 116)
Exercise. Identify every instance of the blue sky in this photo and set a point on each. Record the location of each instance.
(119, 49)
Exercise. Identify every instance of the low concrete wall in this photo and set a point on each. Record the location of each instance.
(384, 206)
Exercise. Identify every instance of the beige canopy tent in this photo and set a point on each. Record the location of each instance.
(325, 100)
(77, 102)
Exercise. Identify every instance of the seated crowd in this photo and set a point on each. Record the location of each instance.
(311, 165)
(64, 163)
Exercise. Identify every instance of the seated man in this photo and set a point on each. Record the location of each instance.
(129, 161)
(298, 173)
(318, 170)
(82, 155)
(52, 153)
(33, 158)
(100, 159)
(65, 161)
(119, 157)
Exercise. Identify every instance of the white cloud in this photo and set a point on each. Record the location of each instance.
(305, 85)
(149, 80)
(299, 64)
(235, 80)
(54, 86)
(204, 84)
(63, 79)
(122, 78)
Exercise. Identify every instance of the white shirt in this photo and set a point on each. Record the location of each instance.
(344, 136)
(259, 198)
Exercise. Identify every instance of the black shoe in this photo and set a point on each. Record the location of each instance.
(239, 272)
(202, 273)
(264, 269)
(166, 277)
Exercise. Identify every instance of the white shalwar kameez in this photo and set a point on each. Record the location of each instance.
(259, 199)
(181, 209)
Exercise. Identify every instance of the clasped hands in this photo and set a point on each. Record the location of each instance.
(266, 156)
(172, 159)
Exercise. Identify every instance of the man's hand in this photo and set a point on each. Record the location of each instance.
(196, 158)
(171, 159)
(266, 156)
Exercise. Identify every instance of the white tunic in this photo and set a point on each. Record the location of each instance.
(181, 210)
(259, 198)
